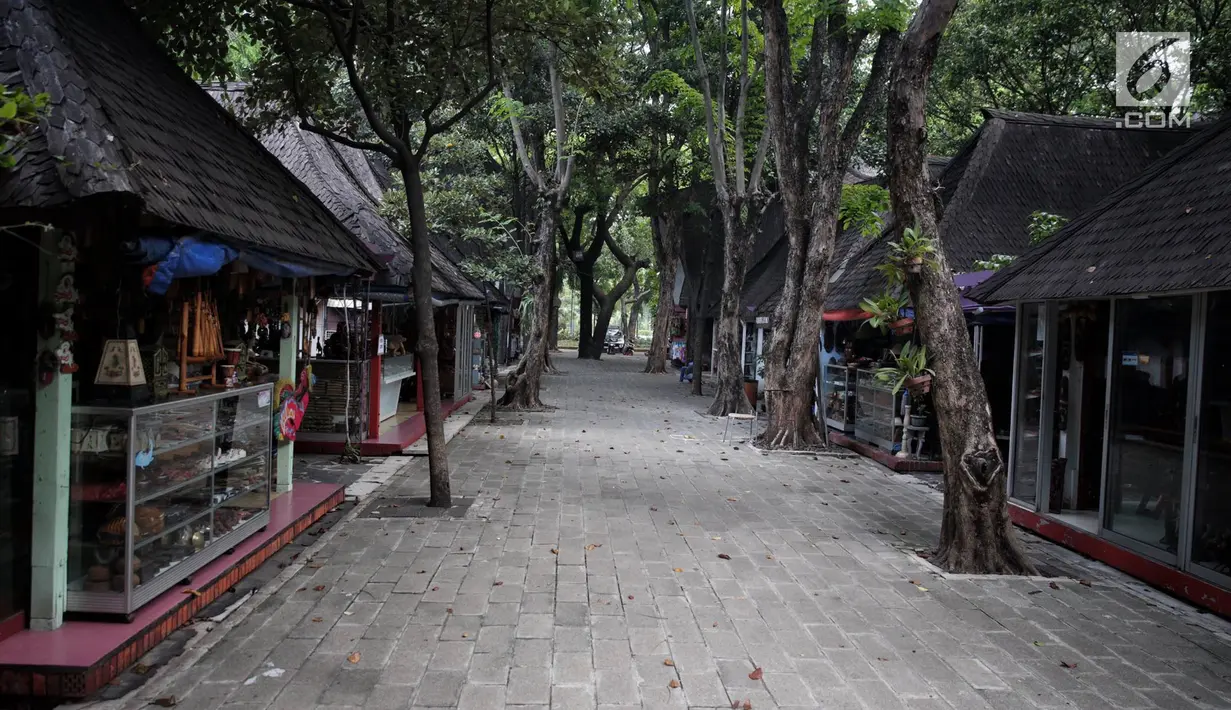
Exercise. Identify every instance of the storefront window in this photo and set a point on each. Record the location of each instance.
(1029, 404)
(1212, 502)
(1149, 413)
(750, 352)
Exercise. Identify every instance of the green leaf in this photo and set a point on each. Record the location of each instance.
(8, 110)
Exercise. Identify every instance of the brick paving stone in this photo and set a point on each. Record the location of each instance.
(637, 496)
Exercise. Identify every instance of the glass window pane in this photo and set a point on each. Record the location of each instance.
(1149, 413)
(1212, 503)
(1029, 405)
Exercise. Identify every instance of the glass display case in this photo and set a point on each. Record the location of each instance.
(158, 492)
(876, 410)
(840, 397)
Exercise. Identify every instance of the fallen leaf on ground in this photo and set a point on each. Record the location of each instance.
(315, 565)
(882, 659)
(435, 589)
(1084, 582)
(769, 557)
(354, 657)
(497, 584)
(554, 551)
(193, 592)
(914, 582)
(465, 636)
(843, 480)
(653, 508)
(1066, 664)
(679, 569)
(449, 610)
(921, 588)
(1037, 591)
(317, 619)
(1038, 643)
(167, 702)
(593, 546)
(668, 662)
(723, 556)
(756, 674)
(733, 500)
(319, 588)
(673, 684)
(630, 596)
(715, 624)
(1053, 585)
(747, 705)
(141, 669)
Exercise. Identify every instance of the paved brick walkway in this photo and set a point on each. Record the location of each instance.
(591, 570)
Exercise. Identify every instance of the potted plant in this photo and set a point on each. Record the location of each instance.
(911, 370)
(885, 310)
(918, 411)
(913, 251)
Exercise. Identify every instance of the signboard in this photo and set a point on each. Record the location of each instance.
(1129, 359)
(762, 320)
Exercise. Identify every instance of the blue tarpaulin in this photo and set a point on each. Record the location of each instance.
(186, 257)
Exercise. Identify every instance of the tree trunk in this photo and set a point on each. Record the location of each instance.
(705, 338)
(553, 333)
(426, 347)
(976, 535)
(729, 394)
(666, 251)
(585, 309)
(523, 389)
(811, 205)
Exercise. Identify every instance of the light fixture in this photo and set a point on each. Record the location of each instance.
(120, 364)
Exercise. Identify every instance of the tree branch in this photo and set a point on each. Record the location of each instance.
(350, 142)
(430, 129)
(873, 91)
(519, 140)
(744, 82)
(718, 161)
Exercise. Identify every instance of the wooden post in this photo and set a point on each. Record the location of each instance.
(52, 424)
(288, 368)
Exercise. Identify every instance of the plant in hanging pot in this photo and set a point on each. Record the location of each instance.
(911, 370)
(885, 310)
(913, 252)
(919, 410)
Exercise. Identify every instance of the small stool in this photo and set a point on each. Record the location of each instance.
(913, 436)
(752, 419)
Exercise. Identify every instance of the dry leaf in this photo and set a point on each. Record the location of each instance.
(317, 619)
(193, 592)
(723, 556)
(319, 588)
(1038, 643)
(315, 565)
(733, 500)
(497, 584)
(756, 674)
(435, 589)
(1053, 585)
(921, 588)
(1066, 664)
(653, 508)
(167, 702)
(668, 662)
(673, 684)
(554, 551)
(679, 569)
(769, 557)
(592, 546)
(449, 610)
(1084, 582)
(914, 582)
(141, 669)
(353, 657)
(465, 636)
(630, 596)
(747, 705)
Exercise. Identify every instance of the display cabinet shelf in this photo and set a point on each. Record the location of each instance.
(158, 492)
(877, 411)
(840, 397)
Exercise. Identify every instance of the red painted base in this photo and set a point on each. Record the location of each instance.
(388, 444)
(81, 657)
(883, 457)
(1169, 579)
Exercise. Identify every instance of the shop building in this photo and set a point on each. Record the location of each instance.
(1016, 166)
(142, 435)
(1121, 427)
(369, 392)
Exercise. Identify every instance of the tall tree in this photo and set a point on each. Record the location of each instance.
(553, 192)
(976, 535)
(809, 107)
(408, 71)
(739, 197)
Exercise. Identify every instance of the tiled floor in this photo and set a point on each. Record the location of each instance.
(617, 555)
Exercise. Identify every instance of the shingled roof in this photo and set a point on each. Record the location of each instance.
(127, 123)
(1167, 230)
(1017, 164)
(343, 179)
